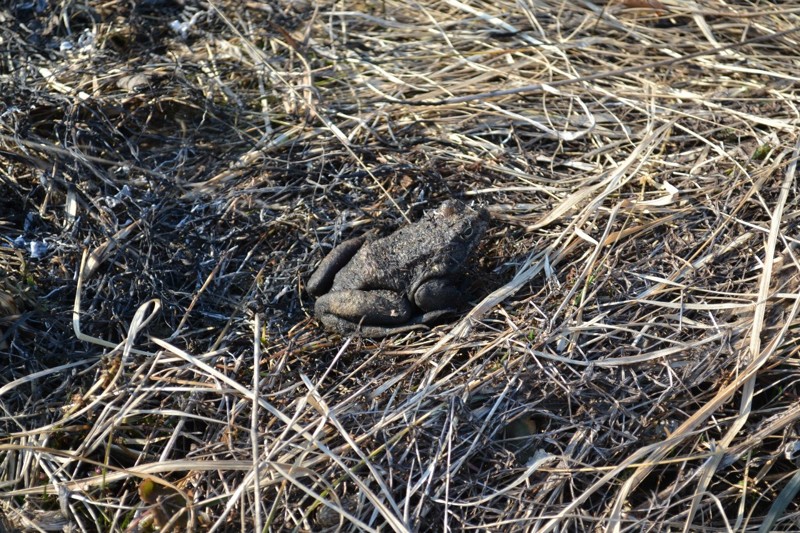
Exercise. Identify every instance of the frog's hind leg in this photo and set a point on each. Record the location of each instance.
(373, 307)
(321, 280)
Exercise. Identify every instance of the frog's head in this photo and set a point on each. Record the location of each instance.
(462, 227)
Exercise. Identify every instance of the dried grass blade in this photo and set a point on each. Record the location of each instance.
(746, 403)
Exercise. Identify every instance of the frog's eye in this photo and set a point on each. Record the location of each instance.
(468, 232)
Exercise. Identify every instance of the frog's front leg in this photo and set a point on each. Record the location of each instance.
(372, 307)
(437, 295)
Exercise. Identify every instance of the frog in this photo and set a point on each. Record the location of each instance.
(405, 281)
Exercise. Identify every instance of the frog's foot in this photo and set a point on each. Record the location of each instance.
(333, 323)
(434, 317)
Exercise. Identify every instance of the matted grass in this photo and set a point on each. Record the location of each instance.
(172, 173)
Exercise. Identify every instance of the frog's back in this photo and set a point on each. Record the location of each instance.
(440, 242)
(391, 263)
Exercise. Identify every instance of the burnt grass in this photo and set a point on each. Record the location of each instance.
(171, 173)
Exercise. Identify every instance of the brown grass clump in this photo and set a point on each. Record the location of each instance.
(173, 171)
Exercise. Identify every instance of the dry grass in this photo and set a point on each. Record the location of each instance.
(630, 361)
